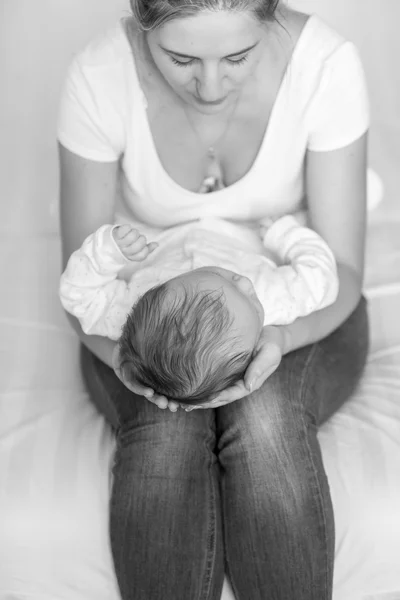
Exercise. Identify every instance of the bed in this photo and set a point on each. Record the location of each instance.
(56, 450)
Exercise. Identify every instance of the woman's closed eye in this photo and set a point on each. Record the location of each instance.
(238, 61)
(182, 63)
(190, 61)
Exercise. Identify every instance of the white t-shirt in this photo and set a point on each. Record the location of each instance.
(322, 105)
(292, 270)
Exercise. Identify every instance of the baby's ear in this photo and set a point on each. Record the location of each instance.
(136, 388)
(116, 361)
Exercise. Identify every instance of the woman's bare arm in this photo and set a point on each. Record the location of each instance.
(87, 192)
(336, 193)
(87, 201)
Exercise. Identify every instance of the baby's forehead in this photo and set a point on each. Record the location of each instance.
(211, 285)
(201, 279)
(222, 298)
(189, 291)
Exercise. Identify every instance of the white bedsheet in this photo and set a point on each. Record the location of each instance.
(56, 450)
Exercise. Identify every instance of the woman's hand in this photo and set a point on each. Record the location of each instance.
(270, 348)
(151, 396)
(268, 353)
(141, 390)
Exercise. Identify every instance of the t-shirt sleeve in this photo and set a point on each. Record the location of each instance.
(90, 121)
(340, 111)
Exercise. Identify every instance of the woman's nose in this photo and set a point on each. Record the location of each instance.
(209, 83)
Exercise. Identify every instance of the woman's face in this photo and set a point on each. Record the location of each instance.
(207, 58)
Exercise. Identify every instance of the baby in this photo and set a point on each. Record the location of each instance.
(189, 316)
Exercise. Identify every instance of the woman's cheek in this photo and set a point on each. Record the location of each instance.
(177, 79)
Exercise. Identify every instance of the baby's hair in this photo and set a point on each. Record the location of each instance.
(181, 344)
(151, 14)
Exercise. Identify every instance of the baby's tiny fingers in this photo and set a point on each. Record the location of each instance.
(152, 246)
(130, 238)
(135, 246)
(121, 231)
(138, 256)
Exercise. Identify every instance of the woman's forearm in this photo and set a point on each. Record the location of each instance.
(101, 347)
(316, 326)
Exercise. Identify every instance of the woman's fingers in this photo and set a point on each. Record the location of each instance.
(173, 406)
(138, 389)
(256, 381)
(141, 390)
(263, 365)
(234, 392)
(159, 401)
(266, 360)
(163, 402)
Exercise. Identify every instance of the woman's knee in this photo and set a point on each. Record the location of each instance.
(269, 415)
(260, 429)
(270, 453)
(164, 444)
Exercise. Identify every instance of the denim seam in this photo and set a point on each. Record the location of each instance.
(228, 572)
(212, 527)
(123, 573)
(226, 546)
(317, 484)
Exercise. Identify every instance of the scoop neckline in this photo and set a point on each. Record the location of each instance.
(240, 182)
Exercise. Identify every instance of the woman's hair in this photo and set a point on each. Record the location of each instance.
(151, 14)
(182, 345)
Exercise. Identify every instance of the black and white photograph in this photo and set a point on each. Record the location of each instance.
(199, 307)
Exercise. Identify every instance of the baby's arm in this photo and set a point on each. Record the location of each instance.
(305, 279)
(89, 288)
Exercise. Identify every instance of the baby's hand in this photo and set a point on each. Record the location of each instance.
(265, 224)
(132, 244)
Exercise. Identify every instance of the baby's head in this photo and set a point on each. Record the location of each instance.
(192, 337)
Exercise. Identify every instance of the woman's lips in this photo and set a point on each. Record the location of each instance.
(210, 102)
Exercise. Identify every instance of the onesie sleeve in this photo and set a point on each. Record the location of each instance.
(90, 290)
(305, 277)
(339, 113)
(90, 121)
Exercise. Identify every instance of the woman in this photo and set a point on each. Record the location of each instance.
(263, 109)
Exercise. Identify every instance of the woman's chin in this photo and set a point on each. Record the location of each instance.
(207, 108)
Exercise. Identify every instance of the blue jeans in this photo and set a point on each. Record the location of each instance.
(240, 489)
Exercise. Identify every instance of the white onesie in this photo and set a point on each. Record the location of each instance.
(292, 269)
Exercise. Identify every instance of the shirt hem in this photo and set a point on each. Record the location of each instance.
(84, 152)
(338, 144)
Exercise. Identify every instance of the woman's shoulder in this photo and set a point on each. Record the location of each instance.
(107, 50)
(320, 51)
(104, 69)
(97, 95)
(317, 38)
